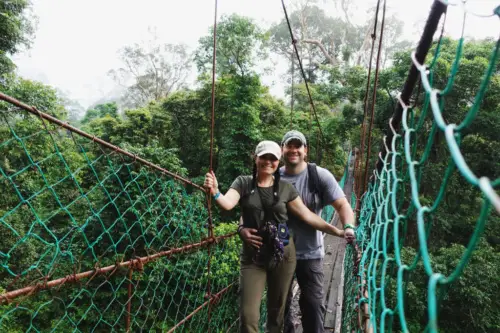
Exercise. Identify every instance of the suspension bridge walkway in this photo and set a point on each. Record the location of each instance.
(97, 239)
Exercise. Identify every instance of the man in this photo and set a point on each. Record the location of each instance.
(309, 242)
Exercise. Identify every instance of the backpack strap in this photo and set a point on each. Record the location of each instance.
(314, 185)
(312, 171)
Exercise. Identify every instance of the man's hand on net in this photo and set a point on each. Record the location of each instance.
(349, 235)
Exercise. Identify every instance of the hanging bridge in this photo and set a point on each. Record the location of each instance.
(97, 239)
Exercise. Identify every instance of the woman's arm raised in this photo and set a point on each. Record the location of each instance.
(227, 201)
(298, 208)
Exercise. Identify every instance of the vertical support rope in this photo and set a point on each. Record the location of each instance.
(367, 316)
(437, 10)
(318, 151)
(309, 129)
(292, 88)
(365, 111)
(210, 219)
(294, 43)
(129, 299)
(374, 95)
(209, 290)
(213, 88)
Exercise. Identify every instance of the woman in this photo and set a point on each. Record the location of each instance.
(268, 253)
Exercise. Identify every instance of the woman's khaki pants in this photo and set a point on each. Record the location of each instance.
(253, 280)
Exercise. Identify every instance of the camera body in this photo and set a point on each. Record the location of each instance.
(283, 233)
(274, 239)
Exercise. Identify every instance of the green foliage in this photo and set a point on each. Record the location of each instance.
(16, 31)
(189, 111)
(332, 42)
(479, 280)
(311, 22)
(100, 111)
(238, 127)
(67, 204)
(454, 219)
(245, 114)
(273, 117)
(85, 206)
(33, 93)
(338, 103)
(151, 71)
(239, 42)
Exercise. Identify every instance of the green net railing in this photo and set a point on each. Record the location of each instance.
(410, 196)
(94, 240)
(328, 211)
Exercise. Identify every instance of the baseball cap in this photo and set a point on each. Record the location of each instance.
(268, 147)
(294, 135)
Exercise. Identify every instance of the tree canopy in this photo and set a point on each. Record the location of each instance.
(239, 42)
(151, 71)
(167, 122)
(16, 31)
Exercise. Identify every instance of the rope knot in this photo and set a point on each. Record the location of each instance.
(215, 299)
(5, 300)
(41, 285)
(137, 264)
(71, 278)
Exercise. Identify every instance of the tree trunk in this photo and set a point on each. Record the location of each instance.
(366, 43)
(328, 57)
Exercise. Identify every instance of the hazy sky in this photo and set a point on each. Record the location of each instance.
(77, 40)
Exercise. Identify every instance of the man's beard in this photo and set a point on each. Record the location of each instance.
(296, 162)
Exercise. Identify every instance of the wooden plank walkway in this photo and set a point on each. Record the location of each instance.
(333, 267)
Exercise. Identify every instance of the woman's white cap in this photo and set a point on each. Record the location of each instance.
(268, 147)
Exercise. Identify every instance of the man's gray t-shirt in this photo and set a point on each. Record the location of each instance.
(309, 241)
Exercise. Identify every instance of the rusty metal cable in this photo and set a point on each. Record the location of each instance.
(9, 296)
(212, 127)
(294, 43)
(213, 88)
(374, 94)
(54, 120)
(291, 92)
(365, 110)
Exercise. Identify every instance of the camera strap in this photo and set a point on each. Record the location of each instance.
(266, 214)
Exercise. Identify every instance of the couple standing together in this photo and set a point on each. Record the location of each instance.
(281, 229)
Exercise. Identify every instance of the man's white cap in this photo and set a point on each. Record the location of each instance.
(268, 147)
